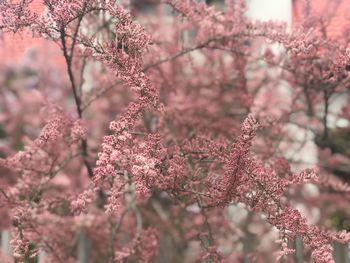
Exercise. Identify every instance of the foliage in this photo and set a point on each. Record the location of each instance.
(183, 145)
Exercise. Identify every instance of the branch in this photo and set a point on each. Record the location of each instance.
(181, 53)
(68, 58)
(325, 117)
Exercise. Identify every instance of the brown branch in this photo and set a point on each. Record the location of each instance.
(325, 117)
(69, 58)
(207, 239)
(181, 53)
(114, 232)
(99, 94)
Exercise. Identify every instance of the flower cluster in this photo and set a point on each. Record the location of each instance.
(172, 136)
(16, 16)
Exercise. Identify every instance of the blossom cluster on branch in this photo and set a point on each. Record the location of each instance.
(173, 137)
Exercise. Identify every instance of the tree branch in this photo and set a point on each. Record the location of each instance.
(69, 58)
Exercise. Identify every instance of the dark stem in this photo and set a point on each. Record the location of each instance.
(325, 117)
(310, 110)
(206, 239)
(69, 58)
